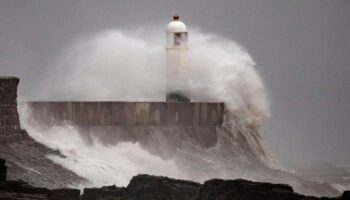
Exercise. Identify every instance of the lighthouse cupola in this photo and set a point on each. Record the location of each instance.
(177, 35)
(176, 61)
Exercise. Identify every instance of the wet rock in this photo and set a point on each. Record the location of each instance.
(20, 190)
(146, 187)
(66, 194)
(21, 196)
(104, 192)
(217, 189)
(243, 189)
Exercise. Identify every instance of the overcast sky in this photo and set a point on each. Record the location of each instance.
(301, 47)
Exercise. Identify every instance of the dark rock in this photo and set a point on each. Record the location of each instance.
(104, 192)
(146, 187)
(157, 187)
(248, 190)
(346, 195)
(3, 170)
(20, 190)
(20, 196)
(63, 194)
(243, 189)
(21, 187)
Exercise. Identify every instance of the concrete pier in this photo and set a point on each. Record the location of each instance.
(129, 113)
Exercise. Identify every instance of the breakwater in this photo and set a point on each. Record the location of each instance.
(129, 113)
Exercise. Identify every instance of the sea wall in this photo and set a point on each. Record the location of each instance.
(9, 119)
(160, 127)
(129, 113)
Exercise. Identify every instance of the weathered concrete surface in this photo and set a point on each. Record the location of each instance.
(160, 127)
(129, 113)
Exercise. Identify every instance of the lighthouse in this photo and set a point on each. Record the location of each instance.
(176, 62)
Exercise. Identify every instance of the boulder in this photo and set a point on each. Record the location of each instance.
(146, 187)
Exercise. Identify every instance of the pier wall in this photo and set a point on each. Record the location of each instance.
(129, 113)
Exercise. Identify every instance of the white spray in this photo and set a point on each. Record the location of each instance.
(130, 66)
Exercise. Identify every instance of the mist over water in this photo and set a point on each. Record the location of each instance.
(120, 65)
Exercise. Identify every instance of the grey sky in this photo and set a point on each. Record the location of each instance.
(302, 51)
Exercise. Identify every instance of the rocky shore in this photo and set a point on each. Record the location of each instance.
(147, 187)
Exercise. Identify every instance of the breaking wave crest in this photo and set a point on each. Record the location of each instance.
(129, 65)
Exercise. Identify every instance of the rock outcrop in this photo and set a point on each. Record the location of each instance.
(103, 192)
(147, 187)
(10, 128)
(20, 190)
(243, 189)
(26, 158)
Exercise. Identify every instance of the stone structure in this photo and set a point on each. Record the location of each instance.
(129, 113)
(9, 119)
(143, 122)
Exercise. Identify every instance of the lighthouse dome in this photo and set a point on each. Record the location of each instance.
(176, 26)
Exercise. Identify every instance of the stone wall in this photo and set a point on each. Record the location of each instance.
(10, 128)
(129, 113)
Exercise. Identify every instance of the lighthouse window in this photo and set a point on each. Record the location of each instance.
(178, 39)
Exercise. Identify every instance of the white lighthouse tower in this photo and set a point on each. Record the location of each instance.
(176, 62)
